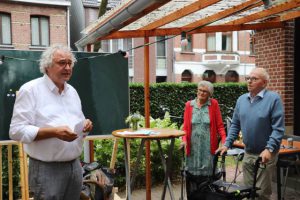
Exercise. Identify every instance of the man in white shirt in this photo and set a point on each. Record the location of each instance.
(44, 117)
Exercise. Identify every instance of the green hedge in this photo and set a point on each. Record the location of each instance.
(172, 97)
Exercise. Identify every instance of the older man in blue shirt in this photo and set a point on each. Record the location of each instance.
(259, 115)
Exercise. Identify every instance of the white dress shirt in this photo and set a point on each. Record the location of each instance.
(39, 105)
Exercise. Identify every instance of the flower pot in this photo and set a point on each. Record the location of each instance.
(134, 126)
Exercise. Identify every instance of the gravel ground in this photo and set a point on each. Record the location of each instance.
(156, 191)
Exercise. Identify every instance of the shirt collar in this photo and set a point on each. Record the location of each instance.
(52, 87)
(208, 103)
(260, 94)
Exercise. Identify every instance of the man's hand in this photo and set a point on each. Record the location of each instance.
(265, 155)
(88, 125)
(222, 150)
(65, 133)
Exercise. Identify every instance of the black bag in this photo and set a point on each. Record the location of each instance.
(98, 182)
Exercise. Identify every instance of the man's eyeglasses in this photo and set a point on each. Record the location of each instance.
(203, 91)
(64, 63)
(251, 78)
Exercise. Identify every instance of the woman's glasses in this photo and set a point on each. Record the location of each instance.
(203, 91)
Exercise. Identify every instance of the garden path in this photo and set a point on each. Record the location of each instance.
(156, 191)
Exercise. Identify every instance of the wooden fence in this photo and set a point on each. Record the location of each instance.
(23, 170)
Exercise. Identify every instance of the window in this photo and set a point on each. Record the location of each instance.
(39, 31)
(105, 47)
(127, 46)
(211, 41)
(209, 75)
(186, 76)
(188, 47)
(161, 79)
(161, 52)
(227, 41)
(114, 45)
(5, 29)
(252, 41)
(231, 76)
(130, 79)
(252, 51)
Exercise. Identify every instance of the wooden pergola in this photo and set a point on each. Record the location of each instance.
(166, 17)
(171, 18)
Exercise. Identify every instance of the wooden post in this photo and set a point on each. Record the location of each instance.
(26, 176)
(128, 149)
(147, 115)
(22, 175)
(115, 151)
(91, 143)
(10, 172)
(114, 154)
(1, 192)
(23, 172)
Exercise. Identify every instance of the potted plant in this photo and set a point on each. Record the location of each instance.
(133, 120)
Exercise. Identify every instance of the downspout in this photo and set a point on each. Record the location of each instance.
(118, 21)
(68, 25)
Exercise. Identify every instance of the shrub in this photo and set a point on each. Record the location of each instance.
(103, 152)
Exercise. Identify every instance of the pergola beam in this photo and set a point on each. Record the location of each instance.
(225, 13)
(287, 16)
(265, 13)
(200, 4)
(202, 26)
(206, 29)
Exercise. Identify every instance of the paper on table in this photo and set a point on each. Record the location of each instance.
(139, 132)
(79, 129)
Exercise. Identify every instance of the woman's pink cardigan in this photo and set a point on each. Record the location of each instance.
(216, 126)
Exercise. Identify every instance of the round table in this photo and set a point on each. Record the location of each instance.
(156, 134)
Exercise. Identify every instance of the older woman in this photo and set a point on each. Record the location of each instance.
(203, 127)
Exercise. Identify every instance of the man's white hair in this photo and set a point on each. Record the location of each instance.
(207, 84)
(263, 73)
(47, 56)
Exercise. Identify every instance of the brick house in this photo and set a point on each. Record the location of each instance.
(278, 51)
(169, 62)
(33, 25)
(219, 52)
(275, 48)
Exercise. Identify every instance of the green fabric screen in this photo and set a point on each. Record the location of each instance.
(101, 81)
